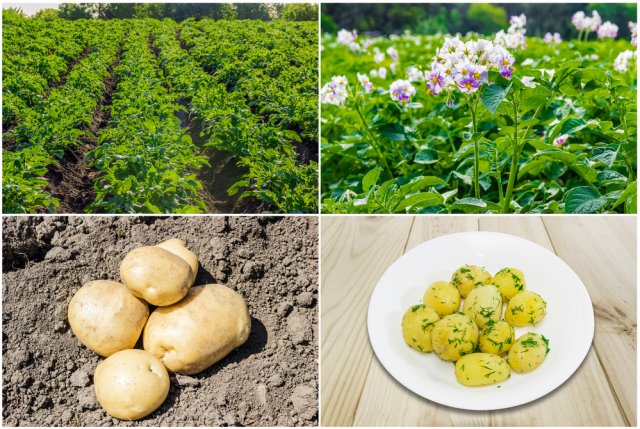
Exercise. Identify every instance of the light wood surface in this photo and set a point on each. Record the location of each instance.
(357, 391)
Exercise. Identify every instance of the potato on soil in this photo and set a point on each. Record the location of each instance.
(528, 352)
(481, 369)
(454, 336)
(179, 248)
(131, 384)
(525, 308)
(509, 282)
(417, 325)
(443, 297)
(106, 317)
(469, 276)
(483, 304)
(158, 275)
(496, 337)
(198, 331)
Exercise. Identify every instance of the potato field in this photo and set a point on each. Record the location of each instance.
(152, 116)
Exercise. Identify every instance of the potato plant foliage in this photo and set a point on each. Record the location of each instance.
(555, 134)
(250, 86)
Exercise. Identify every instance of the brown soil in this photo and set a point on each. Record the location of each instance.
(271, 380)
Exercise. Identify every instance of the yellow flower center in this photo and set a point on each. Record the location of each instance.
(476, 75)
(468, 85)
(435, 79)
(505, 62)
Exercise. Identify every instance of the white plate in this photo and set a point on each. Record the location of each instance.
(568, 325)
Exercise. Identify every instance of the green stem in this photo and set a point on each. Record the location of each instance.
(514, 160)
(498, 174)
(374, 142)
(476, 152)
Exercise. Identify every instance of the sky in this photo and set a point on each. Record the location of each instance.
(31, 8)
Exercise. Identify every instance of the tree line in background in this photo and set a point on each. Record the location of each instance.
(483, 18)
(182, 11)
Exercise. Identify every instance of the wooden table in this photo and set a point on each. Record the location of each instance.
(356, 390)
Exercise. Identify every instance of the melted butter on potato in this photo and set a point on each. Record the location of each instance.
(417, 325)
(106, 317)
(454, 336)
(198, 331)
(131, 384)
(496, 337)
(443, 297)
(481, 369)
(528, 352)
(483, 304)
(525, 308)
(469, 276)
(509, 282)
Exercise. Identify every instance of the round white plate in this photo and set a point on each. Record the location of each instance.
(568, 325)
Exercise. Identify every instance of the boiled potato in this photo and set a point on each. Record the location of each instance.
(179, 248)
(496, 337)
(417, 325)
(467, 277)
(481, 369)
(484, 303)
(157, 275)
(106, 317)
(528, 352)
(443, 297)
(509, 282)
(131, 384)
(525, 308)
(454, 336)
(198, 331)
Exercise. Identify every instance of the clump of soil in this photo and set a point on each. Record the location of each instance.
(271, 380)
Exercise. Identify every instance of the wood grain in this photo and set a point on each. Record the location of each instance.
(357, 390)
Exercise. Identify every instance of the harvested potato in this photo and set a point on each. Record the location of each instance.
(481, 369)
(106, 317)
(528, 352)
(469, 276)
(454, 336)
(525, 308)
(417, 325)
(496, 337)
(443, 297)
(156, 275)
(198, 331)
(131, 384)
(509, 282)
(483, 304)
(179, 248)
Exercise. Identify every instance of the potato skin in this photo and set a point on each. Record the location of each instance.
(467, 277)
(454, 336)
(483, 304)
(179, 248)
(528, 352)
(525, 308)
(417, 325)
(131, 384)
(106, 317)
(193, 334)
(509, 282)
(497, 338)
(443, 297)
(481, 369)
(158, 276)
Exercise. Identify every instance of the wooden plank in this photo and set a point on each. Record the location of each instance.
(355, 253)
(602, 250)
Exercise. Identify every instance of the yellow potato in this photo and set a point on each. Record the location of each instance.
(179, 248)
(528, 352)
(481, 369)
(156, 275)
(454, 336)
(106, 317)
(198, 331)
(467, 277)
(497, 337)
(525, 308)
(131, 384)
(417, 325)
(443, 297)
(484, 303)
(509, 282)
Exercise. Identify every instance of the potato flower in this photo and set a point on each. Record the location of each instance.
(365, 82)
(552, 38)
(561, 141)
(621, 63)
(402, 91)
(414, 74)
(346, 37)
(608, 29)
(335, 91)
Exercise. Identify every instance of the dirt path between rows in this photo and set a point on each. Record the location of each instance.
(272, 380)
